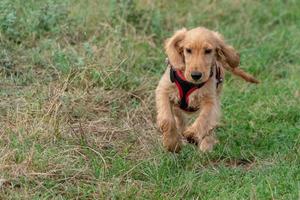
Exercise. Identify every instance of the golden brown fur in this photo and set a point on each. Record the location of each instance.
(192, 50)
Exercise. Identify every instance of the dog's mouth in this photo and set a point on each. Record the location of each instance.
(198, 77)
(204, 79)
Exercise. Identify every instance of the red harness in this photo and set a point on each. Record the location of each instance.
(186, 88)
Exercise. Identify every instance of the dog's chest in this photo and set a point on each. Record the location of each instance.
(194, 98)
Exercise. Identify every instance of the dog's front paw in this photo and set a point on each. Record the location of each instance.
(172, 142)
(191, 135)
(208, 143)
(165, 124)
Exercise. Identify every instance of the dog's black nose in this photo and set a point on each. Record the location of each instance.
(196, 75)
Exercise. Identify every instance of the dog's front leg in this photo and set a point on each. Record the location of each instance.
(201, 131)
(166, 121)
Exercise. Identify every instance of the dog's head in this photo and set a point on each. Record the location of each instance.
(196, 51)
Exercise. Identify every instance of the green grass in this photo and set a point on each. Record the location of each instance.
(77, 114)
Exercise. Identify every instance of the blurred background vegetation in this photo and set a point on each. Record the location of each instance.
(77, 116)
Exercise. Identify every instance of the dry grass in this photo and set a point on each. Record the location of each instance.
(77, 117)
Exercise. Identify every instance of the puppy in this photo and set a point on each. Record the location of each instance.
(192, 84)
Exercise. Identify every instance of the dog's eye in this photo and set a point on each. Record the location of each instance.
(207, 51)
(188, 50)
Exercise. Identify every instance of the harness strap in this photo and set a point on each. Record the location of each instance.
(186, 88)
(218, 76)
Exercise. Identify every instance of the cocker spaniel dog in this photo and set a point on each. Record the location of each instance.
(192, 84)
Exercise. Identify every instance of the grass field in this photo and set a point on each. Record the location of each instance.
(77, 110)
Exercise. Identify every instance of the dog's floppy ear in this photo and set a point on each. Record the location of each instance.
(226, 53)
(174, 48)
(230, 59)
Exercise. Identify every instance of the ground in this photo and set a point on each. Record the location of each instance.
(77, 110)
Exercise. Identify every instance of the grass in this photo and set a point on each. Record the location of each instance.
(77, 114)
